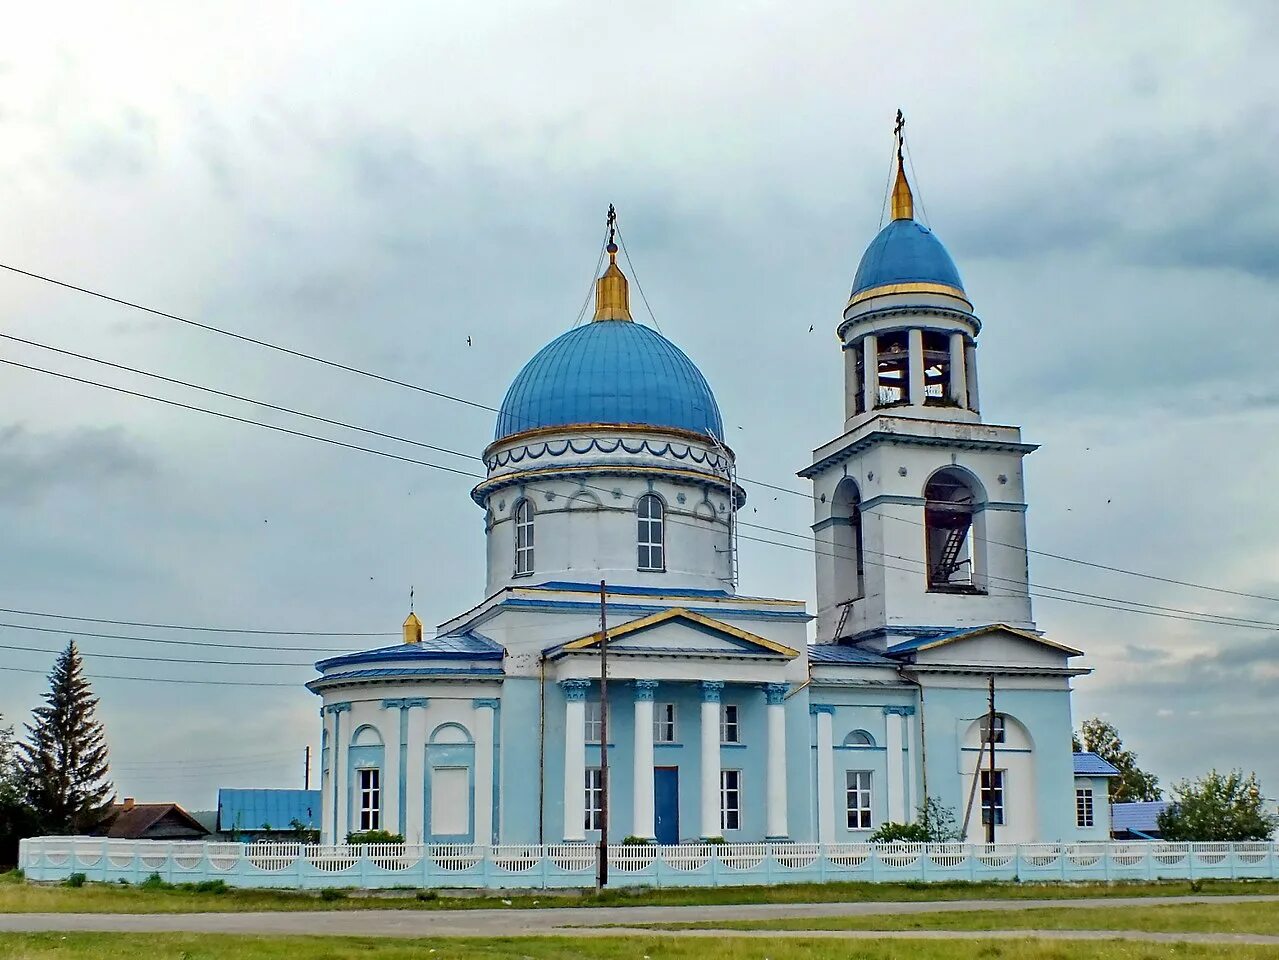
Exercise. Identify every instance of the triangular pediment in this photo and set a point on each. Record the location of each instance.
(995, 644)
(681, 631)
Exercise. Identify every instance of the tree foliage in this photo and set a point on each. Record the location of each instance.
(1218, 806)
(934, 823)
(1133, 784)
(64, 761)
(16, 819)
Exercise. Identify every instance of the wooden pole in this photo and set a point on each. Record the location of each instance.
(990, 728)
(602, 877)
(306, 769)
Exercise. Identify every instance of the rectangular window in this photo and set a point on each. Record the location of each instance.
(1000, 729)
(663, 723)
(594, 798)
(859, 809)
(730, 799)
(650, 538)
(523, 538)
(729, 730)
(370, 799)
(998, 795)
(1083, 807)
(594, 721)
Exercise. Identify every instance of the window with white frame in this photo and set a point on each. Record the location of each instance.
(594, 721)
(370, 799)
(594, 798)
(858, 800)
(1000, 727)
(651, 536)
(730, 799)
(1083, 807)
(663, 723)
(992, 791)
(524, 537)
(730, 730)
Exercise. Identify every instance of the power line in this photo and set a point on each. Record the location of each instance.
(481, 406)
(184, 626)
(210, 683)
(638, 286)
(167, 640)
(201, 662)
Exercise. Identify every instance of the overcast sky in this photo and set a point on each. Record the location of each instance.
(377, 184)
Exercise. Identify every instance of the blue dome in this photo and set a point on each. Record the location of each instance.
(906, 251)
(610, 371)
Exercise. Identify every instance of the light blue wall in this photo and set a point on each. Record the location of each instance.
(1100, 829)
(362, 758)
(517, 721)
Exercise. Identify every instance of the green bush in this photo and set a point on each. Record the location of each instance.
(330, 894)
(428, 895)
(153, 882)
(637, 841)
(714, 840)
(890, 832)
(210, 886)
(75, 880)
(374, 836)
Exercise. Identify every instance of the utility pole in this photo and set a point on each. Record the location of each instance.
(306, 769)
(601, 879)
(990, 733)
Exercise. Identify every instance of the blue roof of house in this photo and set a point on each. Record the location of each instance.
(1139, 817)
(254, 810)
(1092, 765)
(842, 653)
(610, 372)
(462, 646)
(906, 251)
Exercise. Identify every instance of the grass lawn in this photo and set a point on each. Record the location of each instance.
(104, 946)
(17, 896)
(1262, 918)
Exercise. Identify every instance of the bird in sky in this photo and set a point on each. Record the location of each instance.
(468, 341)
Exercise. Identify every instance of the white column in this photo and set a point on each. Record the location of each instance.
(328, 777)
(711, 690)
(485, 715)
(391, 773)
(825, 773)
(575, 758)
(870, 371)
(970, 372)
(415, 774)
(893, 759)
(643, 817)
(958, 379)
(775, 808)
(912, 774)
(341, 775)
(916, 354)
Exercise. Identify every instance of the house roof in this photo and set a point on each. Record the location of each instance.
(690, 617)
(1139, 817)
(931, 640)
(133, 823)
(468, 645)
(255, 809)
(844, 653)
(1092, 765)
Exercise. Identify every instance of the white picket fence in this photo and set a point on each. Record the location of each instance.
(513, 866)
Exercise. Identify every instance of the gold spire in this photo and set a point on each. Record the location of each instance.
(412, 629)
(612, 293)
(903, 207)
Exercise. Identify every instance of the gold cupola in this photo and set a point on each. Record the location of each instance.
(903, 207)
(412, 629)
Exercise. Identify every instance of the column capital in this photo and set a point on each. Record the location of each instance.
(899, 711)
(338, 707)
(775, 693)
(711, 690)
(645, 689)
(403, 703)
(575, 689)
(491, 703)
(816, 708)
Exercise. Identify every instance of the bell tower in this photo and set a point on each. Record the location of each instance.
(919, 505)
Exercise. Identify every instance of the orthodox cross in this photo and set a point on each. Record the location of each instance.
(612, 223)
(899, 131)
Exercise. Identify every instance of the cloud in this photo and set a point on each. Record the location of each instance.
(33, 464)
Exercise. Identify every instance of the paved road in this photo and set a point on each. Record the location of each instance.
(591, 921)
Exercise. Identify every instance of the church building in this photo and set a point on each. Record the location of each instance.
(724, 720)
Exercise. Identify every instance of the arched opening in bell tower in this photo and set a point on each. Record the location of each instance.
(850, 572)
(952, 532)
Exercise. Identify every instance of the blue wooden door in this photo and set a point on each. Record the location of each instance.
(666, 803)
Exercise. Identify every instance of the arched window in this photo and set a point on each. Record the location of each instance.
(651, 535)
(950, 504)
(523, 538)
(859, 738)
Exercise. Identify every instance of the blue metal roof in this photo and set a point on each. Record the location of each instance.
(905, 251)
(1140, 817)
(1091, 765)
(842, 653)
(408, 672)
(255, 810)
(461, 646)
(610, 372)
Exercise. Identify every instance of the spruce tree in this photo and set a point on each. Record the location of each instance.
(65, 757)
